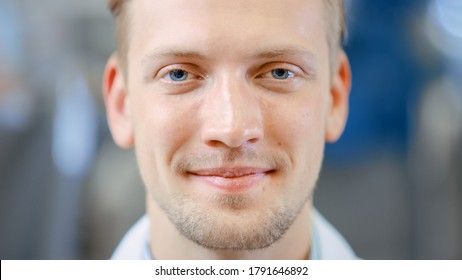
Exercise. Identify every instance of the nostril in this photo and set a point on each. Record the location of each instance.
(214, 143)
(231, 142)
(253, 140)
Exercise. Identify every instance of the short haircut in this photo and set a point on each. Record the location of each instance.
(335, 18)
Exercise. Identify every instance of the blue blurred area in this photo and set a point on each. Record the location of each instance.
(387, 79)
(11, 35)
(393, 181)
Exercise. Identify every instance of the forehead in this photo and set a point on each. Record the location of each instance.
(224, 27)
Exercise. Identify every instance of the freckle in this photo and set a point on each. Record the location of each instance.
(279, 143)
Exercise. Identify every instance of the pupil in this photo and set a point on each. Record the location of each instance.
(178, 75)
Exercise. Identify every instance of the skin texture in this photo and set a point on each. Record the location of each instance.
(229, 156)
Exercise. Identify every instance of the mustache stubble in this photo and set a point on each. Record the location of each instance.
(233, 157)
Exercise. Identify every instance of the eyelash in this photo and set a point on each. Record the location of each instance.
(167, 75)
(268, 74)
(271, 74)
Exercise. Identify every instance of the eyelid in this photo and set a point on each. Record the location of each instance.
(267, 68)
(163, 73)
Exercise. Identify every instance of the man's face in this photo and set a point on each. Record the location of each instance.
(228, 104)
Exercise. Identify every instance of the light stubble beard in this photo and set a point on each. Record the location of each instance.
(234, 225)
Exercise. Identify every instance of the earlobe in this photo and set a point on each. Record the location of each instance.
(116, 100)
(340, 91)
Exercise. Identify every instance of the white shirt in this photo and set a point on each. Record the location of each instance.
(326, 243)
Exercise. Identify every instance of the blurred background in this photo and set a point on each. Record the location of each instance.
(392, 185)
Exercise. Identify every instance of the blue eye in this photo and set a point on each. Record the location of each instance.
(282, 74)
(178, 75)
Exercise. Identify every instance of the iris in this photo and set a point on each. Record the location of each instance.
(281, 74)
(178, 75)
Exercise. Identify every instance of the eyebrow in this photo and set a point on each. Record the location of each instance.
(163, 54)
(285, 51)
(308, 58)
(267, 53)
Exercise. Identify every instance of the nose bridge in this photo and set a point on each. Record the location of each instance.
(234, 117)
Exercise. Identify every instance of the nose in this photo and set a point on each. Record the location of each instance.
(231, 115)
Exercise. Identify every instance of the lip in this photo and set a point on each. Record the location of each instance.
(231, 179)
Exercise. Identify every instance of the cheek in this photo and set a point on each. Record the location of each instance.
(305, 142)
(161, 125)
(300, 126)
(309, 140)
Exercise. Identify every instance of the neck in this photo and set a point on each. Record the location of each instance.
(168, 243)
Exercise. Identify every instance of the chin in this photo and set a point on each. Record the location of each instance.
(231, 222)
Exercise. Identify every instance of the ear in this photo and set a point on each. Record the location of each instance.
(116, 100)
(339, 91)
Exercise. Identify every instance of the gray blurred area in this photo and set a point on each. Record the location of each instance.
(392, 185)
(66, 191)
